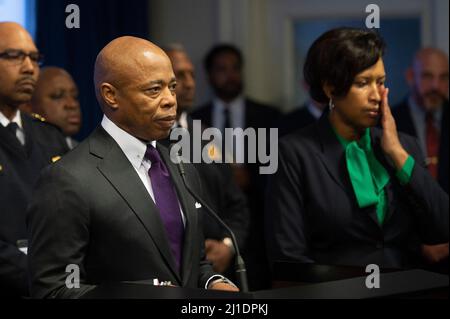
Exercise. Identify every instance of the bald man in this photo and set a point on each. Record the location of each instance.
(56, 99)
(26, 145)
(115, 207)
(424, 114)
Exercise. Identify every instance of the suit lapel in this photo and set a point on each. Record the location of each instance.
(332, 155)
(12, 143)
(188, 206)
(116, 168)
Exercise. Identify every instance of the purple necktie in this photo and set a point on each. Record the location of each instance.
(167, 202)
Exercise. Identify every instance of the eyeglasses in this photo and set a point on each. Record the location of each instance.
(18, 56)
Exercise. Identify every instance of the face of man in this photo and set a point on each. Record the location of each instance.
(56, 99)
(146, 98)
(430, 79)
(17, 76)
(225, 76)
(184, 73)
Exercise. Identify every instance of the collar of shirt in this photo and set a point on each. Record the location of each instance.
(17, 119)
(133, 148)
(237, 112)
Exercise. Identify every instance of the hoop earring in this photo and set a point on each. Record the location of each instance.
(330, 104)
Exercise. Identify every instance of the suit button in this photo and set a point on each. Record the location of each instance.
(379, 245)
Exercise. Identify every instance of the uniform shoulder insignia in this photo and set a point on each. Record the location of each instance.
(56, 158)
(38, 117)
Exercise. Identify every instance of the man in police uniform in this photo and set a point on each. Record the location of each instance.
(27, 144)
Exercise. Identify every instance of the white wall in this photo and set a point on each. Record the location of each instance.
(192, 23)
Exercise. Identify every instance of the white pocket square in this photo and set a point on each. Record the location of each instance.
(198, 205)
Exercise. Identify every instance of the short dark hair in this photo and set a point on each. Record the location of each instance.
(220, 49)
(337, 56)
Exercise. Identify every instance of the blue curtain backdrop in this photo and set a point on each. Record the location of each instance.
(76, 49)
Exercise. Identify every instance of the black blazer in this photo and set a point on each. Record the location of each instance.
(295, 120)
(19, 170)
(91, 209)
(404, 121)
(256, 114)
(312, 213)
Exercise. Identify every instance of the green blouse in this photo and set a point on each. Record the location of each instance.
(368, 177)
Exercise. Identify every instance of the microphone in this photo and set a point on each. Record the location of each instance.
(241, 272)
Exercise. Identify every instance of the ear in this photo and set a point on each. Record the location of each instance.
(409, 76)
(328, 90)
(109, 95)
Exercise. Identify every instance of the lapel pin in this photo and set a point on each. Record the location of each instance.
(198, 205)
(56, 158)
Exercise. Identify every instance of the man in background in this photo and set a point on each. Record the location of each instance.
(230, 108)
(56, 100)
(27, 145)
(424, 114)
(223, 195)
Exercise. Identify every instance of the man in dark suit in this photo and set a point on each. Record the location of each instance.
(299, 118)
(230, 108)
(27, 145)
(115, 208)
(424, 114)
(222, 193)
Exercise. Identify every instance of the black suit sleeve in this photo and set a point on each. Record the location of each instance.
(428, 199)
(56, 242)
(285, 216)
(13, 275)
(225, 197)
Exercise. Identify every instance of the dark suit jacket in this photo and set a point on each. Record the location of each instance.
(257, 116)
(404, 121)
(312, 213)
(295, 120)
(91, 209)
(20, 168)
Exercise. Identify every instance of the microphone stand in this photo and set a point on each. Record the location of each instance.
(241, 272)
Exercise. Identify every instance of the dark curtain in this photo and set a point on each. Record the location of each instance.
(76, 49)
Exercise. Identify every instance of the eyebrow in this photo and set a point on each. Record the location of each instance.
(161, 81)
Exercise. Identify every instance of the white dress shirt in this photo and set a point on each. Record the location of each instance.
(16, 119)
(237, 119)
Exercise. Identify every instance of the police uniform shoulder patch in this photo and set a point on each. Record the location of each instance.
(56, 158)
(38, 117)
